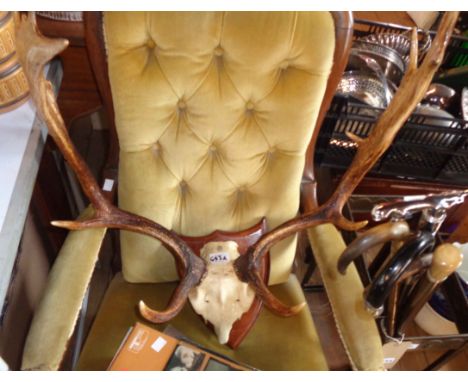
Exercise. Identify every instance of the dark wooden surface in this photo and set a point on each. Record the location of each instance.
(398, 17)
(78, 93)
(95, 45)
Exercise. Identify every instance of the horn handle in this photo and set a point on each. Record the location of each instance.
(371, 238)
(377, 292)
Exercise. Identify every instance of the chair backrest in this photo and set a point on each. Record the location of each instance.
(216, 115)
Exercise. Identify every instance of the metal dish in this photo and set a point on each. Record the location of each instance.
(374, 66)
(397, 41)
(365, 87)
(401, 42)
(464, 103)
(389, 59)
(439, 95)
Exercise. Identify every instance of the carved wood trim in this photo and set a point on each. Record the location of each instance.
(343, 41)
(95, 45)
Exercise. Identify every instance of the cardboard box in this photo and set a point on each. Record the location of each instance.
(144, 348)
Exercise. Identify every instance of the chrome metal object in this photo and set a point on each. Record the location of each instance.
(409, 205)
(389, 59)
(400, 42)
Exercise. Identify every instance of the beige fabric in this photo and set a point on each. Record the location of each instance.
(55, 318)
(356, 326)
(274, 343)
(214, 112)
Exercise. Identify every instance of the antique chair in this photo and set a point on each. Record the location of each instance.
(217, 115)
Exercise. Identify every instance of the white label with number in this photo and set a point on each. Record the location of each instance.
(108, 185)
(219, 258)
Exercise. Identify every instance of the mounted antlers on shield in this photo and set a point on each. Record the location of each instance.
(35, 50)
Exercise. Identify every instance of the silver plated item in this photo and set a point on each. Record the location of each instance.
(406, 207)
(389, 59)
(365, 87)
(401, 42)
(464, 103)
(439, 95)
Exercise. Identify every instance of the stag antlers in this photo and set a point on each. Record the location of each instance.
(34, 51)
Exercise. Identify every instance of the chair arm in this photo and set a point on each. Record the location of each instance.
(357, 328)
(54, 321)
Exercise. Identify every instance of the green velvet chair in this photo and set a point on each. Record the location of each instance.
(216, 114)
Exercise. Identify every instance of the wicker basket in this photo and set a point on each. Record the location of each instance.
(14, 88)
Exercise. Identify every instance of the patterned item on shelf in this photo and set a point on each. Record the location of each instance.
(14, 88)
(76, 16)
(7, 33)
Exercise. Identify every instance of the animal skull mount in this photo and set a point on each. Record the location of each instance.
(221, 298)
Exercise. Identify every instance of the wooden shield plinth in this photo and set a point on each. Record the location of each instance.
(244, 240)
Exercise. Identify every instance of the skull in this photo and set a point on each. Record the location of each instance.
(221, 298)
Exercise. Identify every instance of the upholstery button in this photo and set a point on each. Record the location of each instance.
(284, 65)
(218, 51)
(156, 148)
(181, 105)
(249, 106)
(183, 186)
(213, 148)
(150, 44)
(270, 154)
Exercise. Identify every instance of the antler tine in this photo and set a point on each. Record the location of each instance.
(34, 51)
(177, 302)
(412, 89)
(194, 266)
(248, 267)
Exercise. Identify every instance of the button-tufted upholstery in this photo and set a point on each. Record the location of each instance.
(214, 125)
